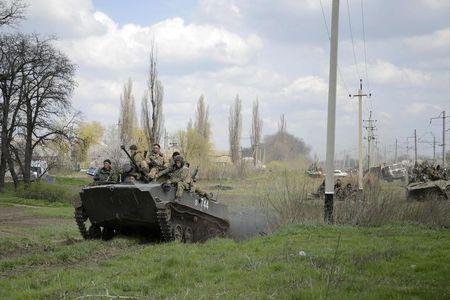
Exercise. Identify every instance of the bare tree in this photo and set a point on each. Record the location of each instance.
(11, 12)
(202, 125)
(282, 126)
(127, 122)
(255, 134)
(235, 129)
(14, 64)
(36, 84)
(152, 119)
(47, 107)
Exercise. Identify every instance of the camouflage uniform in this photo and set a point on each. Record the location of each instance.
(181, 179)
(139, 158)
(105, 175)
(156, 164)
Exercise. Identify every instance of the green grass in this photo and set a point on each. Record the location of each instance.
(10, 199)
(64, 180)
(393, 261)
(398, 261)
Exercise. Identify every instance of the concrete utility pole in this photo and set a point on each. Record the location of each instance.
(415, 146)
(443, 117)
(443, 139)
(331, 121)
(396, 149)
(370, 127)
(434, 148)
(360, 96)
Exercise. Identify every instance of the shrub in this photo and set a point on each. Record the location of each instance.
(287, 199)
(49, 192)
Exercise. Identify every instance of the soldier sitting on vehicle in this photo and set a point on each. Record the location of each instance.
(156, 161)
(139, 158)
(179, 175)
(171, 161)
(105, 173)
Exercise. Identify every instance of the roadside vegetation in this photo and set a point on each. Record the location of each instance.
(378, 251)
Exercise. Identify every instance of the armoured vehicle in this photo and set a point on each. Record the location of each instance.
(149, 208)
(430, 189)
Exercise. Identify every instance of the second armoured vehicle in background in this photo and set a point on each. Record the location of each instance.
(426, 190)
(427, 182)
(150, 208)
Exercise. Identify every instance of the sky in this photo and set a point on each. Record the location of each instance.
(273, 51)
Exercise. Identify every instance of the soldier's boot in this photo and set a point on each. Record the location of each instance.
(179, 192)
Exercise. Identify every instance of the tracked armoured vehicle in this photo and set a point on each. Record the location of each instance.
(425, 190)
(149, 208)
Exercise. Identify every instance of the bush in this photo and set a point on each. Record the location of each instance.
(287, 200)
(49, 192)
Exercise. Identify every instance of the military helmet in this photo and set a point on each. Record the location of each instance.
(133, 147)
(179, 158)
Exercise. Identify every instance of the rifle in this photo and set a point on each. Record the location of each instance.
(135, 165)
(194, 175)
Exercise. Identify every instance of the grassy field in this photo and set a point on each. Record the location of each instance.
(43, 257)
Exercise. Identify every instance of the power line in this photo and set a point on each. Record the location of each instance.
(365, 49)
(341, 76)
(353, 42)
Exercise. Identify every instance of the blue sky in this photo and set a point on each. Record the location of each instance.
(276, 51)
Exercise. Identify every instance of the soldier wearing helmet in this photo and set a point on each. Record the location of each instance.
(155, 161)
(179, 176)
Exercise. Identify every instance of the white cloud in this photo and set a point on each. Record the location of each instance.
(68, 17)
(126, 47)
(306, 86)
(386, 73)
(421, 108)
(435, 41)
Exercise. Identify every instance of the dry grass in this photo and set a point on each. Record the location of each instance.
(287, 200)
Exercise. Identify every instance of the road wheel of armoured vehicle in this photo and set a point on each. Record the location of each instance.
(188, 235)
(95, 232)
(80, 218)
(107, 233)
(177, 232)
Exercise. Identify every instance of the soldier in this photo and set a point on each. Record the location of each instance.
(179, 175)
(171, 161)
(139, 158)
(105, 173)
(156, 161)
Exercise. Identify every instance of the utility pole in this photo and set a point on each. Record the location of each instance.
(331, 121)
(360, 96)
(370, 127)
(434, 148)
(415, 146)
(443, 139)
(443, 117)
(396, 149)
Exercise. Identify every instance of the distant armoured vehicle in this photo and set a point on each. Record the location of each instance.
(151, 209)
(425, 190)
(427, 182)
